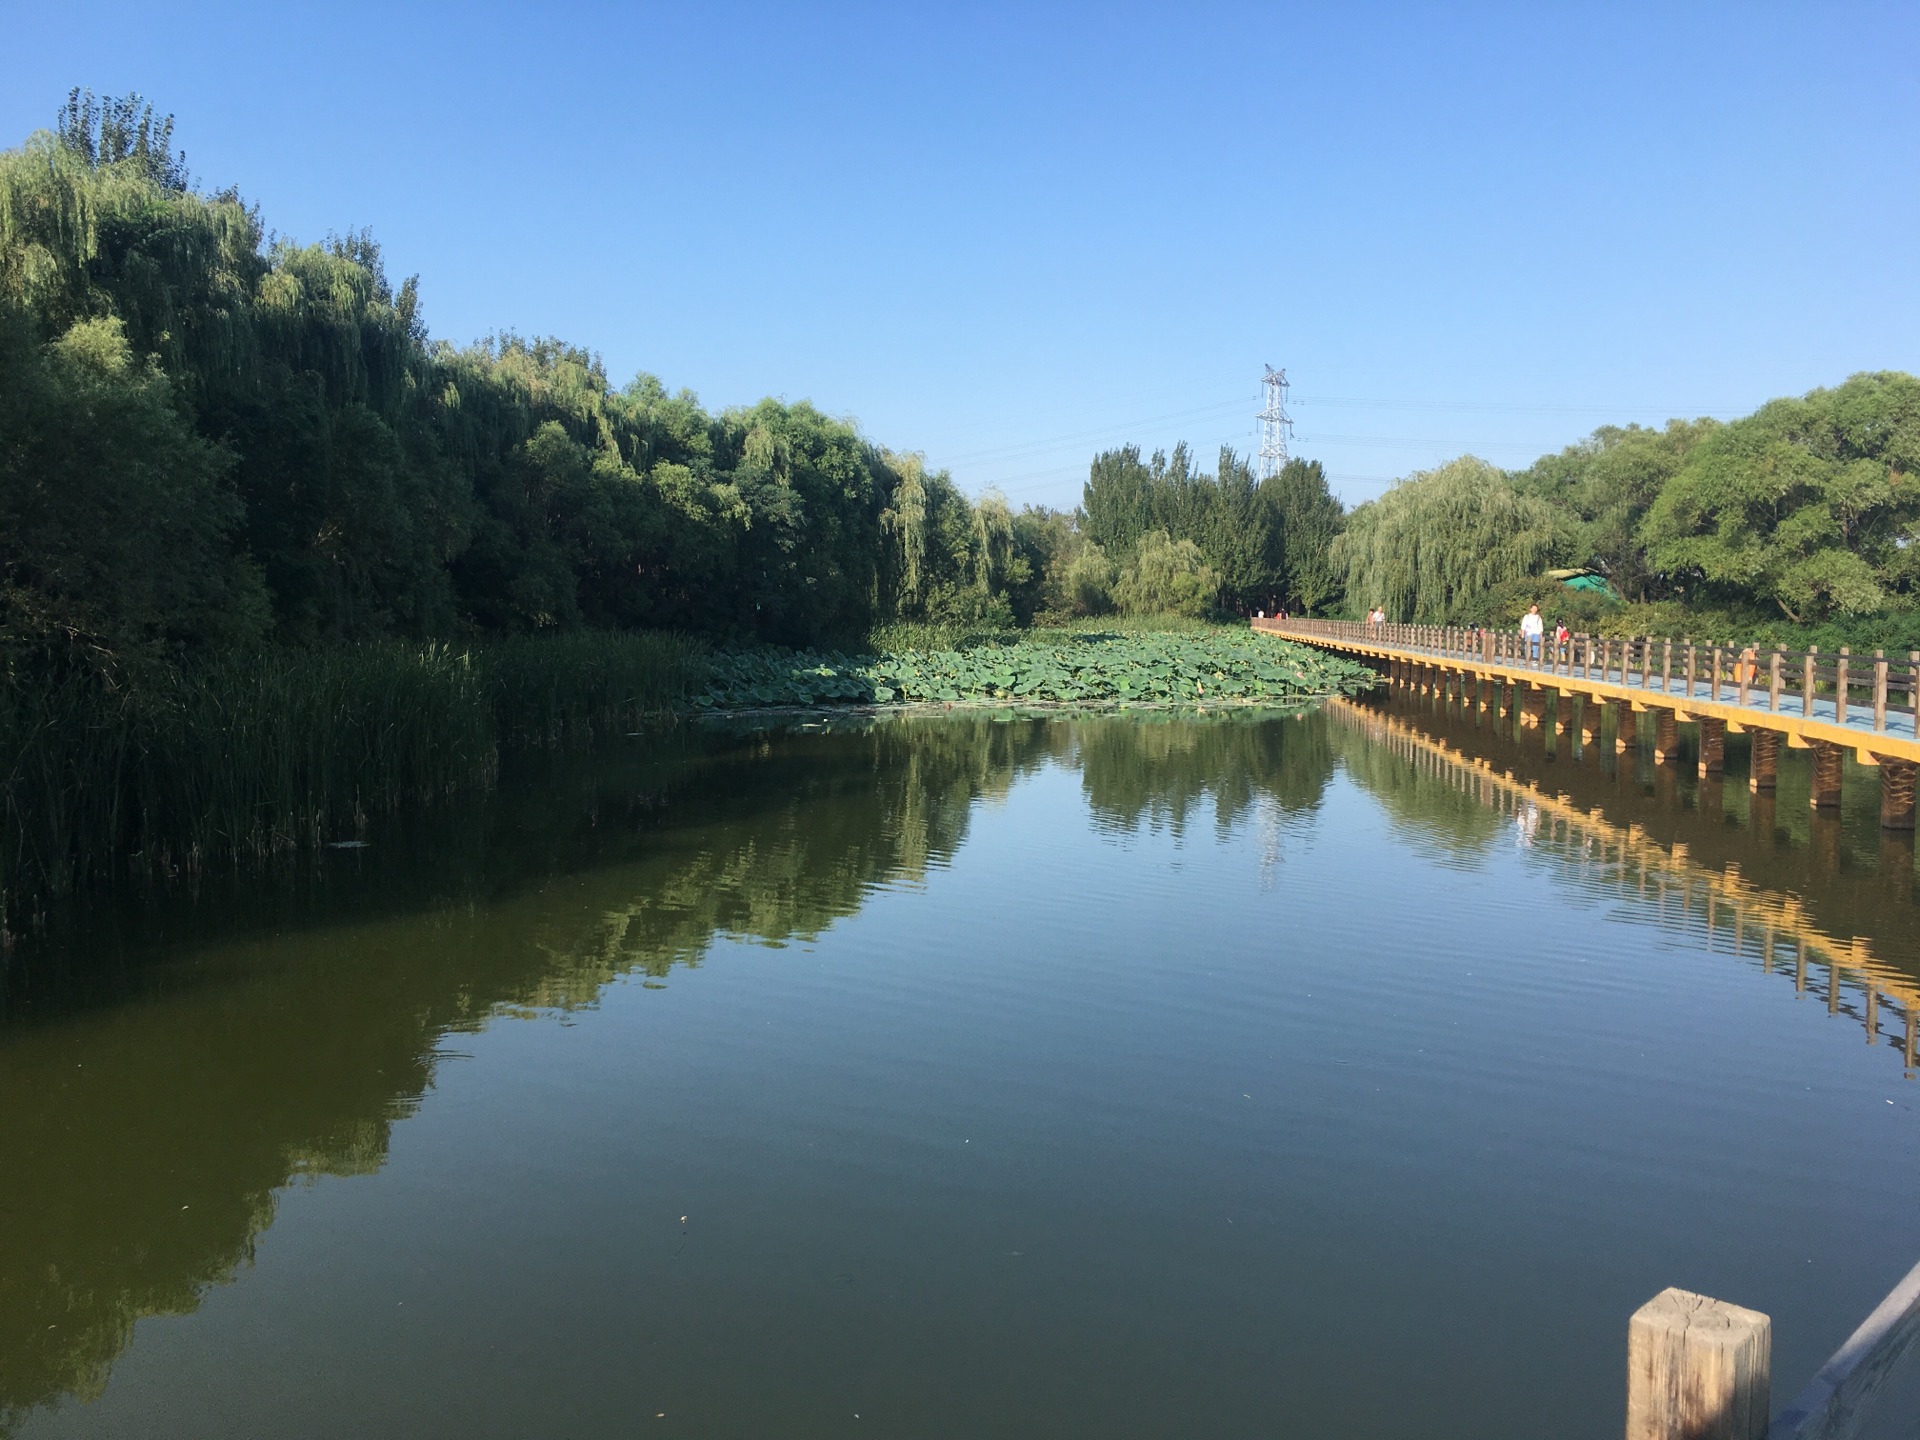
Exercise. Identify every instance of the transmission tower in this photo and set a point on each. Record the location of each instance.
(1276, 429)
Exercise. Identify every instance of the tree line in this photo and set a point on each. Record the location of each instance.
(212, 439)
(1798, 519)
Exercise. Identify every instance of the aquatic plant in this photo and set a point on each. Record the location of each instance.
(1221, 666)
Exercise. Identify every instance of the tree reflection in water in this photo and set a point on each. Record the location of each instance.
(171, 1062)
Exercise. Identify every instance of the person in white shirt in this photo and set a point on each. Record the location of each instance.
(1531, 627)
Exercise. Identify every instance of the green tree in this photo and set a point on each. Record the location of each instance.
(1601, 491)
(1223, 514)
(115, 518)
(1809, 505)
(1305, 518)
(1439, 538)
(1166, 577)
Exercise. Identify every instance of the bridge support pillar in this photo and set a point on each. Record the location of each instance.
(1896, 794)
(1535, 712)
(1625, 732)
(1589, 722)
(1763, 774)
(1666, 737)
(1826, 776)
(1562, 718)
(1713, 746)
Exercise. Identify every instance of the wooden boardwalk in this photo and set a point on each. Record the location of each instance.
(1805, 701)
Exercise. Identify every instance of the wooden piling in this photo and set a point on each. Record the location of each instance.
(1896, 794)
(1713, 745)
(1697, 1369)
(1666, 736)
(1763, 771)
(1535, 710)
(1589, 722)
(1826, 775)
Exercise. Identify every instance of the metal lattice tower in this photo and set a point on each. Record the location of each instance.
(1276, 428)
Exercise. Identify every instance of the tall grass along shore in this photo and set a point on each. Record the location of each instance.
(172, 770)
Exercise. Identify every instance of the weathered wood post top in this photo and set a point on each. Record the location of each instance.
(1697, 1369)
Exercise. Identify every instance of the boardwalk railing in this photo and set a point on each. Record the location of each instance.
(1873, 692)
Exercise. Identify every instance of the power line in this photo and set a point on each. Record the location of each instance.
(1029, 446)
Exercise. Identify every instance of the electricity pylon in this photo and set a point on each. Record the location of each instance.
(1275, 426)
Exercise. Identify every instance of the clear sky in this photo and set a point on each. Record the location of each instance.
(1008, 236)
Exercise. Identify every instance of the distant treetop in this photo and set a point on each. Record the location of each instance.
(120, 130)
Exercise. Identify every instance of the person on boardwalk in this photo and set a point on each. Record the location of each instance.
(1531, 628)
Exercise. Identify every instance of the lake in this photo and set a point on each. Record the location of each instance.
(1350, 1073)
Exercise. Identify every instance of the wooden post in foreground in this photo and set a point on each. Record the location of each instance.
(1697, 1369)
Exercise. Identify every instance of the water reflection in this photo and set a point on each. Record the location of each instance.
(171, 1063)
(1791, 898)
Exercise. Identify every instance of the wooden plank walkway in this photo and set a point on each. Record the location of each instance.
(1806, 701)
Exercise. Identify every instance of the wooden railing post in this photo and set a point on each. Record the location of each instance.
(1810, 682)
(1840, 686)
(1697, 1369)
(1879, 690)
(1774, 677)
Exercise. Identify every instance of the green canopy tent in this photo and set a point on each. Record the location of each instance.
(1591, 580)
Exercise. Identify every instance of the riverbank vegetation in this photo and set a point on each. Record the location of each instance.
(250, 755)
(273, 556)
(1797, 523)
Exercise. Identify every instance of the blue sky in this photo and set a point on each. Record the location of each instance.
(1008, 236)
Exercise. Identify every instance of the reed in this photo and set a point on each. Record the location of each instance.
(259, 754)
(588, 682)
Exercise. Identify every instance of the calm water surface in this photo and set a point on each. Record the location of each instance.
(957, 1077)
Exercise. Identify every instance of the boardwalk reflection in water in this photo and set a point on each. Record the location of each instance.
(1796, 900)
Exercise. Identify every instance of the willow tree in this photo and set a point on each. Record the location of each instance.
(993, 533)
(1439, 538)
(904, 522)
